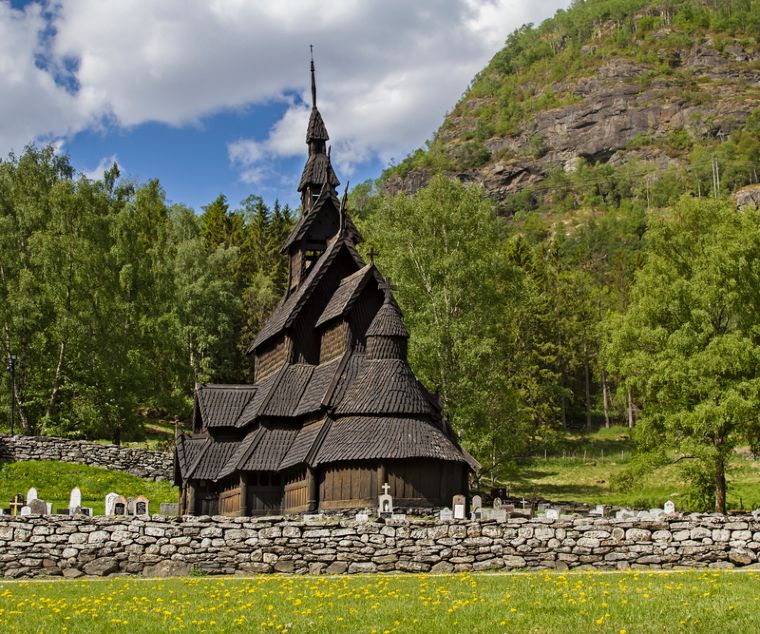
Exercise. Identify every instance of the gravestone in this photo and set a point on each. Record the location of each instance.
(477, 504)
(598, 511)
(31, 494)
(120, 505)
(499, 515)
(385, 502)
(552, 514)
(38, 507)
(25, 510)
(670, 508)
(169, 508)
(361, 518)
(110, 501)
(458, 502)
(141, 505)
(398, 517)
(75, 501)
(497, 503)
(446, 515)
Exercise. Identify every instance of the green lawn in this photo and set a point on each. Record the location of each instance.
(54, 481)
(592, 602)
(587, 463)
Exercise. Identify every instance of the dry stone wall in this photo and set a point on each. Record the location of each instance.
(155, 465)
(158, 546)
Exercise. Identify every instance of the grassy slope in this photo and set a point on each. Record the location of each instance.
(571, 478)
(621, 602)
(54, 481)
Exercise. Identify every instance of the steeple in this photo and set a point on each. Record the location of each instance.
(318, 171)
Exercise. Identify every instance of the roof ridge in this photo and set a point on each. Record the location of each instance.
(315, 447)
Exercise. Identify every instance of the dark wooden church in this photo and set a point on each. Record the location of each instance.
(335, 411)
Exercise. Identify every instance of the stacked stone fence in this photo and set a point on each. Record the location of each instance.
(155, 465)
(36, 546)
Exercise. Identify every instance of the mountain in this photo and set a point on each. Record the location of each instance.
(655, 93)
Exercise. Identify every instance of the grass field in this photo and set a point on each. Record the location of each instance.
(54, 481)
(590, 602)
(587, 463)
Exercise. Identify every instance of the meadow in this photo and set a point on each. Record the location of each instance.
(584, 466)
(623, 603)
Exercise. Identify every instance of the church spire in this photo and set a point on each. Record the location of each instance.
(313, 80)
(318, 172)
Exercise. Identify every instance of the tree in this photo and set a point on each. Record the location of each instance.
(689, 343)
(442, 248)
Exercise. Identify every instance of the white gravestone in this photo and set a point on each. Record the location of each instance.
(110, 502)
(497, 503)
(385, 501)
(552, 514)
(362, 518)
(458, 502)
(25, 510)
(31, 494)
(446, 515)
(670, 508)
(75, 500)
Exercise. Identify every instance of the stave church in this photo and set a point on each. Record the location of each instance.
(335, 412)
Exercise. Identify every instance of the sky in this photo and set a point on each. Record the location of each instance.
(212, 96)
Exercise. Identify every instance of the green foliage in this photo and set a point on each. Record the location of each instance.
(113, 301)
(688, 343)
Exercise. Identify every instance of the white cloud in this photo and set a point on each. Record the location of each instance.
(388, 69)
(104, 164)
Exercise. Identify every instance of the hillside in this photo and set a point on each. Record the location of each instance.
(648, 91)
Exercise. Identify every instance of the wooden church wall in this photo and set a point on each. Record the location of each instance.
(334, 340)
(272, 356)
(264, 493)
(362, 314)
(348, 484)
(308, 340)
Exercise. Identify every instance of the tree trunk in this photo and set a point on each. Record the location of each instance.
(720, 485)
(588, 391)
(630, 408)
(606, 399)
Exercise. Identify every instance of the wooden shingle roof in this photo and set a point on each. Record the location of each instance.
(220, 405)
(318, 171)
(264, 390)
(212, 458)
(374, 438)
(308, 436)
(301, 228)
(345, 295)
(290, 307)
(187, 450)
(270, 448)
(316, 390)
(316, 130)
(386, 386)
(287, 393)
(387, 321)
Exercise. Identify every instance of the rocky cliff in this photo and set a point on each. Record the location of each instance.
(649, 88)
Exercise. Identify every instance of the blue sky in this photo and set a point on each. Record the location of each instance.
(210, 97)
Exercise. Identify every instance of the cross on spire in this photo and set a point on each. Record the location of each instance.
(372, 255)
(313, 79)
(387, 286)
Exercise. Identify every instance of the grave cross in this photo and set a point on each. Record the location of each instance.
(386, 488)
(524, 503)
(16, 503)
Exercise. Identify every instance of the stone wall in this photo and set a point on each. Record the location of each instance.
(155, 465)
(158, 546)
